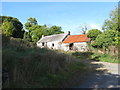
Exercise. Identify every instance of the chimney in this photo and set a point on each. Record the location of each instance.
(43, 36)
(68, 32)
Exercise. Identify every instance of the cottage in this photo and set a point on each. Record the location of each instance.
(64, 42)
(76, 42)
(53, 41)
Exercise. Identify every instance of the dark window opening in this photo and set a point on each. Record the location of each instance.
(71, 46)
(53, 44)
(43, 43)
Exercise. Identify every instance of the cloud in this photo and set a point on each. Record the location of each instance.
(95, 26)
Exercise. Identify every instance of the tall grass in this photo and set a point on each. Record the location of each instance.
(27, 66)
(104, 58)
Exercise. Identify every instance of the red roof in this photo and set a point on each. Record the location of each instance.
(76, 38)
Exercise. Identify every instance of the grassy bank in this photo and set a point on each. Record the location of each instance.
(26, 66)
(94, 56)
(104, 58)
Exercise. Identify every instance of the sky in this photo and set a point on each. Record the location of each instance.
(69, 15)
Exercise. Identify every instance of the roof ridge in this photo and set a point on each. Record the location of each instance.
(56, 34)
(77, 35)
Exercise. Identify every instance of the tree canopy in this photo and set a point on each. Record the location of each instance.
(36, 31)
(17, 27)
(30, 22)
(106, 39)
(7, 28)
(111, 34)
(112, 22)
(55, 30)
(93, 33)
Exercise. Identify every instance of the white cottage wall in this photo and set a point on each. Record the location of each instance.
(65, 46)
(81, 46)
(53, 45)
(39, 44)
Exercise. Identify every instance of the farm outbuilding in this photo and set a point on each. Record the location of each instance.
(53, 41)
(77, 42)
(64, 42)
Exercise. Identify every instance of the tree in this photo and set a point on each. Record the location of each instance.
(112, 22)
(84, 28)
(8, 28)
(32, 26)
(27, 36)
(18, 26)
(55, 30)
(36, 31)
(106, 39)
(31, 21)
(93, 33)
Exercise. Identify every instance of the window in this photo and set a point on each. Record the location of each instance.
(71, 46)
(43, 43)
(53, 44)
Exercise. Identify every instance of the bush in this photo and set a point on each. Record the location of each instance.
(92, 34)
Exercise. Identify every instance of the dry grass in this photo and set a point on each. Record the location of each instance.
(32, 67)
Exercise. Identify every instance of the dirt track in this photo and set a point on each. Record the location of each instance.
(107, 75)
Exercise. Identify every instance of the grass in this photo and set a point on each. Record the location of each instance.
(32, 67)
(94, 56)
(104, 58)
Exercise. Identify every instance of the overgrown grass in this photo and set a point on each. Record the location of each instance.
(30, 67)
(104, 58)
(94, 56)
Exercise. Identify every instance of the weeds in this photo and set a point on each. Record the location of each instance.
(32, 67)
(104, 58)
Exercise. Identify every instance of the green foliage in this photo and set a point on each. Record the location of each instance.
(92, 34)
(7, 28)
(36, 31)
(31, 21)
(55, 30)
(27, 37)
(81, 55)
(112, 22)
(111, 34)
(106, 39)
(117, 38)
(104, 58)
(17, 25)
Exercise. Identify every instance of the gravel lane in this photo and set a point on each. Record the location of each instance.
(107, 76)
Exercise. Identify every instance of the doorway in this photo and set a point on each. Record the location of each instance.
(71, 46)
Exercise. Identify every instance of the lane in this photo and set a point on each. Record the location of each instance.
(109, 78)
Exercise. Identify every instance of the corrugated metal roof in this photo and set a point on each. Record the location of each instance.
(52, 38)
(76, 38)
